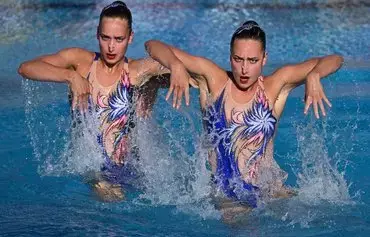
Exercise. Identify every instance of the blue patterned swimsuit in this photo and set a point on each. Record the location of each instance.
(114, 106)
(252, 131)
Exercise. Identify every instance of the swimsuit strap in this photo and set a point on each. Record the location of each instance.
(219, 98)
(93, 64)
(97, 56)
(126, 71)
(262, 89)
(125, 65)
(260, 82)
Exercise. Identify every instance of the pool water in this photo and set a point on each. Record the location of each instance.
(44, 192)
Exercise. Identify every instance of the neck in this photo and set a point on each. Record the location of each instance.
(242, 96)
(111, 68)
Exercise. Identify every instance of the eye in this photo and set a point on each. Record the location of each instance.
(238, 60)
(253, 61)
(104, 37)
(120, 39)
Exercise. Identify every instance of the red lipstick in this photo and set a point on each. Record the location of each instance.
(111, 56)
(244, 79)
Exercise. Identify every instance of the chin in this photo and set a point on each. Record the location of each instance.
(244, 86)
(111, 61)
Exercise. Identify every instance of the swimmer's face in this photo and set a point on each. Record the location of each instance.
(247, 59)
(114, 37)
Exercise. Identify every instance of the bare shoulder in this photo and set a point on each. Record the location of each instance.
(279, 74)
(275, 89)
(78, 55)
(277, 80)
(134, 64)
(144, 68)
(274, 84)
(79, 59)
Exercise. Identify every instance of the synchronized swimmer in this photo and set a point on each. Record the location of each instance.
(113, 83)
(241, 108)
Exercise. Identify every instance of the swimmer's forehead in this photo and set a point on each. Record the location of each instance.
(114, 27)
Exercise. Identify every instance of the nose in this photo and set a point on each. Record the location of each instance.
(245, 67)
(111, 46)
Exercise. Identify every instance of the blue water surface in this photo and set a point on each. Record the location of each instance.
(43, 193)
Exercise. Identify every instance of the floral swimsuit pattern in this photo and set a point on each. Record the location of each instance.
(115, 110)
(255, 129)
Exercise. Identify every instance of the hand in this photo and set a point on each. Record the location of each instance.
(314, 94)
(179, 85)
(80, 88)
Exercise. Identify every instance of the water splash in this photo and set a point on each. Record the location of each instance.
(60, 148)
(173, 176)
(319, 178)
(323, 192)
(82, 153)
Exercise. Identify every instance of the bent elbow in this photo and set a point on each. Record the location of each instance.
(340, 59)
(22, 69)
(148, 44)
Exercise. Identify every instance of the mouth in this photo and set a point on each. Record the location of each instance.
(111, 56)
(244, 79)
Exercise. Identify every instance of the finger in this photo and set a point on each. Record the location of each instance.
(322, 107)
(316, 109)
(80, 104)
(175, 92)
(187, 95)
(308, 104)
(84, 103)
(326, 100)
(170, 90)
(74, 103)
(179, 98)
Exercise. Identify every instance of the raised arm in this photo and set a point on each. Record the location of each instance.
(310, 71)
(60, 67)
(177, 61)
(295, 75)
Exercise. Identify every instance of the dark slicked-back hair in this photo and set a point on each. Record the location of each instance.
(116, 9)
(249, 30)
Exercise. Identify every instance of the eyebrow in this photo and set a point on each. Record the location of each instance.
(116, 37)
(249, 58)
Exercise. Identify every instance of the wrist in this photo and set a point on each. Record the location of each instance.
(175, 65)
(313, 75)
(69, 76)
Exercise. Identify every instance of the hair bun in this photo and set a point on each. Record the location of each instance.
(119, 3)
(250, 24)
(115, 4)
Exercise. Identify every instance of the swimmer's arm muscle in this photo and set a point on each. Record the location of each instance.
(180, 78)
(295, 75)
(311, 72)
(58, 67)
(62, 67)
(145, 69)
(175, 58)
